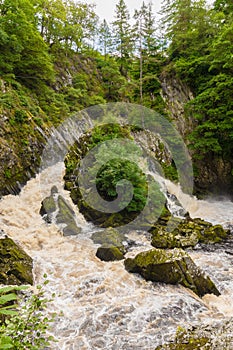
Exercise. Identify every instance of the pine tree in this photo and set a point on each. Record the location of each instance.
(105, 38)
(149, 62)
(123, 39)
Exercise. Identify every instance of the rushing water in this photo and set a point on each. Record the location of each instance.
(100, 305)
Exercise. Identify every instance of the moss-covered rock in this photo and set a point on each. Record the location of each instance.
(173, 267)
(186, 233)
(110, 174)
(110, 237)
(15, 264)
(108, 253)
(112, 247)
(55, 208)
(48, 205)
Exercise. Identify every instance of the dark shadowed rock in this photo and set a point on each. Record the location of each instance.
(112, 247)
(171, 266)
(15, 264)
(107, 253)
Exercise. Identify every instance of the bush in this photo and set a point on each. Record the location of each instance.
(24, 325)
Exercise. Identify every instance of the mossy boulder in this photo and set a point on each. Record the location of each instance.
(48, 205)
(112, 247)
(15, 265)
(55, 208)
(173, 267)
(107, 253)
(186, 233)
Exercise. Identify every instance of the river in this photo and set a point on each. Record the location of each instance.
(100, 305)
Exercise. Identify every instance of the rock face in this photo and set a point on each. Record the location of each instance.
(173, 267)
(214, 174)
(112, 247)
(55, 208)
(15, 264)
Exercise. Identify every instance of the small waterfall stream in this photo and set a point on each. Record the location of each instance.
(100, 305)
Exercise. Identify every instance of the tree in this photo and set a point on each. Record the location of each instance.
(105, 38)
(21, 42)
(51, 17)
(225, 6)
(213, 105)
(145, 41)
(123, 39)
(82, 21)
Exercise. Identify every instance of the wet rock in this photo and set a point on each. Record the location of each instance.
(112, 247)
(215, 336)
(65, 216)
(55, 209)
(110, 237)
(106, 253)
(15, 264)
(187, 233)
(48, 206)
(171, 266)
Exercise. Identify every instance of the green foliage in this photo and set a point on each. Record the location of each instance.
(20, 116)
(123, 38)
(25, 325)
(106, 132)
(108, 183)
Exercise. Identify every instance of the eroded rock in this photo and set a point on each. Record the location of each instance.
(55, 209)
(173, 267)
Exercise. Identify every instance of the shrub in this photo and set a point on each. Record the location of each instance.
(24, 325)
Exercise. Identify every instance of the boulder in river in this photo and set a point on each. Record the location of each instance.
(55, 208)
(15, 264)
(171, 266)
(186, 233)
(112, 247)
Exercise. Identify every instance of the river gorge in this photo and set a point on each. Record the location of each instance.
(100, 305)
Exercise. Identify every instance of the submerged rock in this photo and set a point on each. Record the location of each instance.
(215, 336)
(15, 264)
(171, 266)
(112, 247)
(55, 208)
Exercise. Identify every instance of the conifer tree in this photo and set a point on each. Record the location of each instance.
(105, 38)
(123, 38)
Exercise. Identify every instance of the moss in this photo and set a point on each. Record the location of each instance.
(66, 216)
(109, 237)
(108, 253)
(15, 264)
(48, 206)
(173, 267)
(185, 233)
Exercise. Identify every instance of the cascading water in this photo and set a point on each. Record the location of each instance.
(100, 305)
